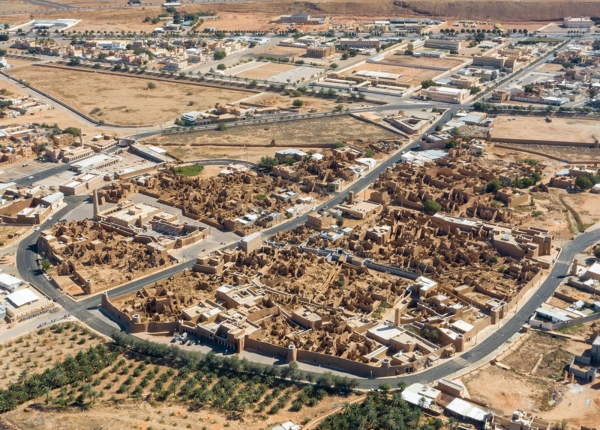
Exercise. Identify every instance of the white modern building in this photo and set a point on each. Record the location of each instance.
(9, 282)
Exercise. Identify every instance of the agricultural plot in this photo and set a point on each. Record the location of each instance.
(97, 385)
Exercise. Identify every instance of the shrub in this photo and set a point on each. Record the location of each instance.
(493, 186)
(431, 207)
(369, 153)
(268, 162)
(221, 126)
(151, 85)
(597, 251)
(584, 182)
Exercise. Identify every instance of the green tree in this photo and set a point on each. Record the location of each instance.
(536, 176)
(385, 387)
(219, 55)
(333, 66)
(493, 186)
(298, 103)
(221, 66)
(73, 131)
(584, 182)
(45, 265)
(597, 251)
(221, 126)
(431, 207)
(268, 163)
(428, 83)
(151, 85)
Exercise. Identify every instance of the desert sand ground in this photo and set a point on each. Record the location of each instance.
(560, 129)
(536, 368)
(322, 130)
(122, 99)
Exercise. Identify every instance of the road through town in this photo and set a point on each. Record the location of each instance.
(86, 309)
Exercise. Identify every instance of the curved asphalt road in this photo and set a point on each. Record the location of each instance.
(29, 271)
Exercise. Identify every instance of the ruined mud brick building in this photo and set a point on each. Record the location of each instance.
(242, 202)
(125, 242)
(325, 172)
(458, 184)
(446, 279)
(116, 192)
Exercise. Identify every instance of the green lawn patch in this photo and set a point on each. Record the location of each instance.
(193, 170)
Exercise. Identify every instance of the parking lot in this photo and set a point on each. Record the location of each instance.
(15, 171)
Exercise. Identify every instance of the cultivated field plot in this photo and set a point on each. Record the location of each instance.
(123, 99)
(410, 61)
(98, 386)
(261, 71)
(411, 75)
(560, 129)
(317, 131)
(35, 352)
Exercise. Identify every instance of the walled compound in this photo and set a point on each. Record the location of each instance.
(242, 201)
(439, 283)
(120, 244)
(395, 291)
(459, 184)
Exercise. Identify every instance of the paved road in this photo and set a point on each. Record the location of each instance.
(26, 259)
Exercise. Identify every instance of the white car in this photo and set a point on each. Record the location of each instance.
(49, 218)
(37, 229)
(30, 177)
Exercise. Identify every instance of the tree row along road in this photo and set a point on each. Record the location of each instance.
(29, 271)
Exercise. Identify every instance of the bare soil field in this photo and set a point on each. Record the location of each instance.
(9, 231)
(311, 104)
(318, 131)
(560, 129)
(518, 388)
(18, 63)
(265, 71)
(504, 10)
(141, 415)
(410, 61)
(568, 153)
(280, 50)
(551, 67)
(409, 74)
(19, 6)
(125, 100)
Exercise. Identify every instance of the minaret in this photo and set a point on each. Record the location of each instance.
(96, 206)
